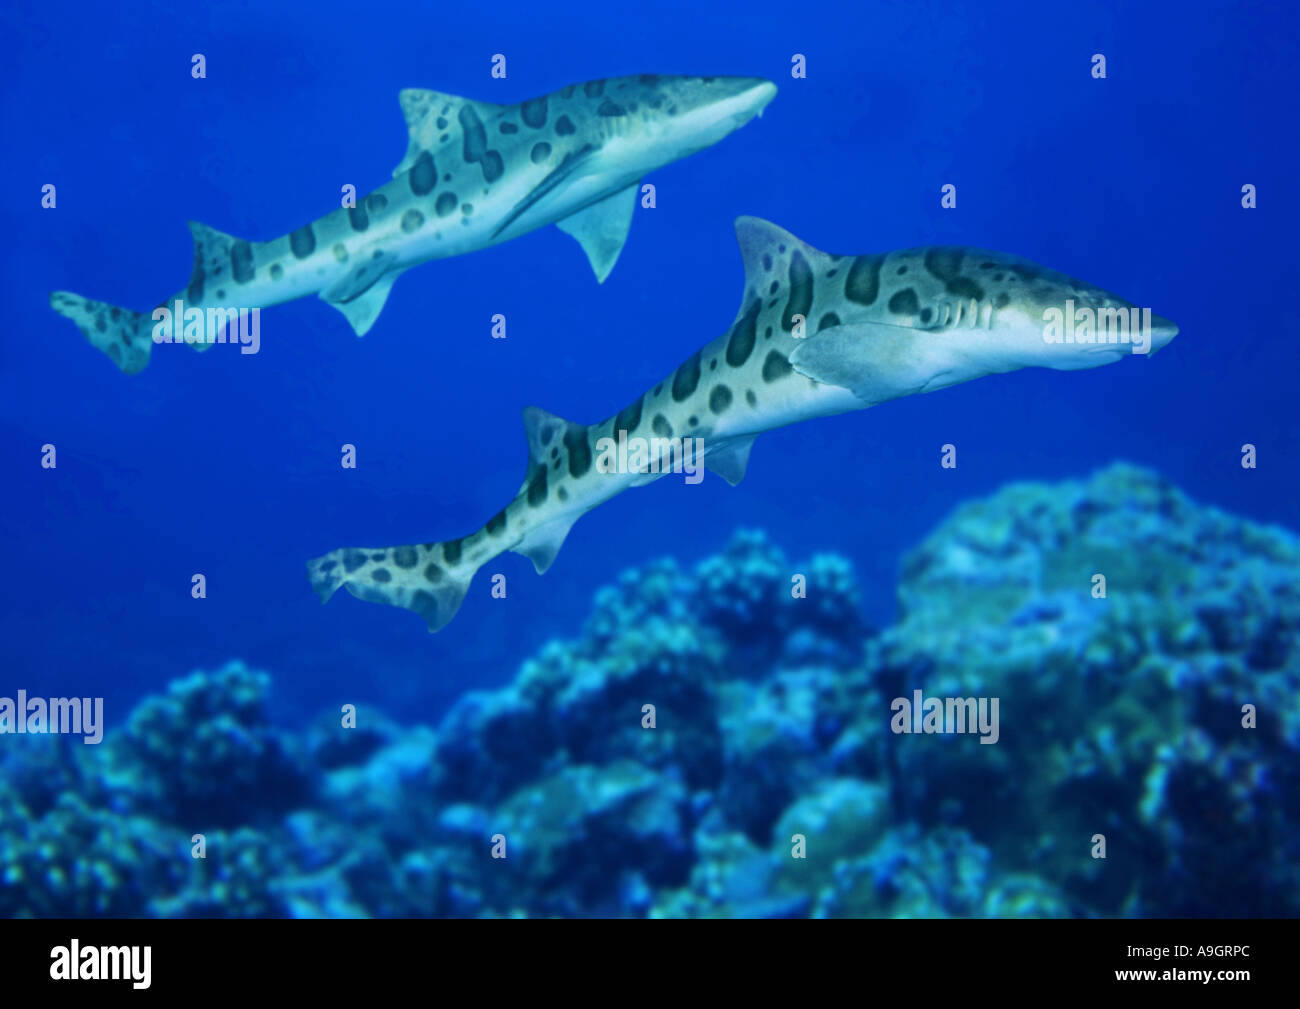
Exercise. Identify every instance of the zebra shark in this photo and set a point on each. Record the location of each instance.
(817, 334)
(475, 174)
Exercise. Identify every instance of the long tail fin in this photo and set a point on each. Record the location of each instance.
(125, 336)
(430, 579)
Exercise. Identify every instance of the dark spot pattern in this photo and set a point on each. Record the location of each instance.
(1002, 300)
(964, 287)
(537, 488)
(862, 285)
(719, 399)
(376, 202)
(533, 113)
(827, 321)
(241, 261)
(575, 440)
(358, 218)
(562, 494)
(423, 175)
(474, 136)
(775, 367)
(944, 262)
(411, 220)
(446, 204)
(767, 261)
(381, 575)
(686, 378)
(904, 302)
(608, 108)
(564, 127)
(474, 147)
(405, 557)
(541, 151)
(450, 553)
(750, 398)
(497, 523)
(508, 128)
(661, 427)
(353, 559)
(801, 291)
(277, 271)
(743, 336)
(433, 573)
(927, 314)
(629, 418)
(594, 89)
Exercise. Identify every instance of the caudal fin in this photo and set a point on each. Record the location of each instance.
(430, 579)
(125, 336)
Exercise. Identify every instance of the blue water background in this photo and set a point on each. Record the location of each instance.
(229, 465)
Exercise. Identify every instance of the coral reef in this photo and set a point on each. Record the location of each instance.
(717, 742)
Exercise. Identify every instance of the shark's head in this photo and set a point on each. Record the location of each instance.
(997, 312)
(655, 120)
(1050, 320)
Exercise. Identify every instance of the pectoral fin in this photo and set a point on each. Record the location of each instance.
(601, 229)
(571, 167)
(876, 362)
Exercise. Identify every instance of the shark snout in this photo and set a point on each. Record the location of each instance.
(1162, 331)
(734, 100)
(752, 94)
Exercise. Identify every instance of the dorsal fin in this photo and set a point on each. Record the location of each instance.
(760, 248)
(424, 110)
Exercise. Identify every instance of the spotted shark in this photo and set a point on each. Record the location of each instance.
(475, 174)
(817, 334)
